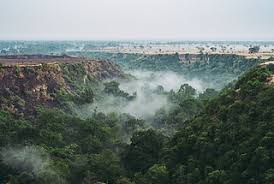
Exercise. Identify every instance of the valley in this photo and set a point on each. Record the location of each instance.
(135, 118)
(136, 92)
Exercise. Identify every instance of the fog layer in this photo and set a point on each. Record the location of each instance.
(148, 99)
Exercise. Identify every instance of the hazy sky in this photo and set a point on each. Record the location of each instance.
(137, 19)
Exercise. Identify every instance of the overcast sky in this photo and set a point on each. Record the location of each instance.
(137, 19)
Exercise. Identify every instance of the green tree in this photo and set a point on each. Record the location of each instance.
(187, 90)
(144, 151)
(157, 174)
(216, 177)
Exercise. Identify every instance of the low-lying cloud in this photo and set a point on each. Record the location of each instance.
(33, 160)
(169, 80)
(28, 158)
(147, 101)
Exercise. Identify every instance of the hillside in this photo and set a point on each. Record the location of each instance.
(209, 138)
(217, 69)
(232, 141)
(29, 81)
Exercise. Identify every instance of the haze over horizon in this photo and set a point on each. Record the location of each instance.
(137, 20)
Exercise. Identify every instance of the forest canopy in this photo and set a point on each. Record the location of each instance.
(193, 135)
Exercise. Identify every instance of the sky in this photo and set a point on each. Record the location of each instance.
(137, 20)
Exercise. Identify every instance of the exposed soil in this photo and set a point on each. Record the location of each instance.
(29, 81)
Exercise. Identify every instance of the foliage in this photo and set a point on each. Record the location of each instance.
(208, 94)
(112, 88)
(218, 69)
(231, 141)
(79, 150)
(254, 49)
(143, 152)
(157, 174)
(220, 139)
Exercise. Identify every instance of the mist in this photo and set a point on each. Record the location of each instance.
(30, 159)
(27, 159)
(168, 79)
(148, 100)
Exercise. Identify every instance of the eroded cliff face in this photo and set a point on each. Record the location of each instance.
(102, 70)
(24, 87)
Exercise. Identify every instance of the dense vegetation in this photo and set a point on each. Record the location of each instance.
(232, 141)
(210, 138)
(79, 149)
(217, 69)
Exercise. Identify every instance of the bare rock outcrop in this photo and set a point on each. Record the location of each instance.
(24, 87)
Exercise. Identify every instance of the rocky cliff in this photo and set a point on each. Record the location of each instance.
(25, 86)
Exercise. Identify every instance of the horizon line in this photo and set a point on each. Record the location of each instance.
(140, 40)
